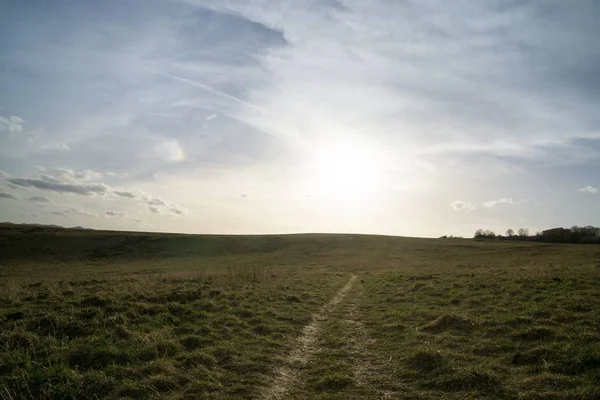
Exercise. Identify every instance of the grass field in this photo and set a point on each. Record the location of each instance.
(90, 314)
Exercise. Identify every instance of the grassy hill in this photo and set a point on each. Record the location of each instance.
(43, 248)
(88, 314)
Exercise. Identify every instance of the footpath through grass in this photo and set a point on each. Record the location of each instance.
(468, 333)
(214, 336)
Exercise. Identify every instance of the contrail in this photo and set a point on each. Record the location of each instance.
(205, 87)
(224, 95)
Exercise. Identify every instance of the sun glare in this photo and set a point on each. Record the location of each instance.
(347, 173)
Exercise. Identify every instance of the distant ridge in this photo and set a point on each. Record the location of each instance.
(34, 225)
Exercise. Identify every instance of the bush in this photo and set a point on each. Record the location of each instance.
(487, 234)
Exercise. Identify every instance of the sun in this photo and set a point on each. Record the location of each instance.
(346, 172)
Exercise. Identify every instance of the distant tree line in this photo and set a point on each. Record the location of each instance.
(577, 234)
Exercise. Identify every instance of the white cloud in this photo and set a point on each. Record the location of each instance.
(494, 203)
(459, 205)
(3, 174)
(12, 124)
(211, 116)
(589, 189)
(170, 150)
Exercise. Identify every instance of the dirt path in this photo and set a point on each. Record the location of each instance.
(286, 375)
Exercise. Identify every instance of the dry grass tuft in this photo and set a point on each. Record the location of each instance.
(450, 321)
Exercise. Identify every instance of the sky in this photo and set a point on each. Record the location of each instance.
(414, 118)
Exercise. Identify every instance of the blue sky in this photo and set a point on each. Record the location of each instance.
(416, 118)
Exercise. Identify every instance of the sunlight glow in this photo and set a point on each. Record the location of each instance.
(347, 172)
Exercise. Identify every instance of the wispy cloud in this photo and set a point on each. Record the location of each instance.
(388, 76)
(589, 189)
(12, 124)
(153, 210)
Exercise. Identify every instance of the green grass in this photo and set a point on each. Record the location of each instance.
(127, 315)
(153, 336)
(488, 331)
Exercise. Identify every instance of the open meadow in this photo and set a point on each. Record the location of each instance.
(99, 314)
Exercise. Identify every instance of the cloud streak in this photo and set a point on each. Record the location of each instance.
(75, 211)
(494, 203)
(125, 193)
(205, 87)
(46, 184)
(40, 199)
(5, 195)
